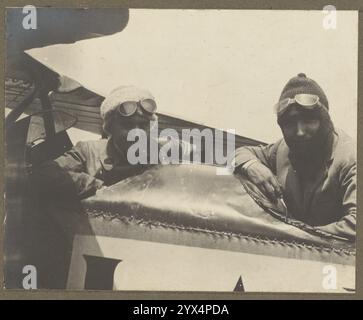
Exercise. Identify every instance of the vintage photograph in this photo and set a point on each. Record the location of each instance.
(180, 150)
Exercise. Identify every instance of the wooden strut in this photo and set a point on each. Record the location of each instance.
(20, 108)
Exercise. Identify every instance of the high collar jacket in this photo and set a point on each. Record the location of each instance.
(326, 199)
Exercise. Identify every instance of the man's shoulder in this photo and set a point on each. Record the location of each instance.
(92, 143)
(345, 150)
(343, 136)
(280, 145)
(92, 146)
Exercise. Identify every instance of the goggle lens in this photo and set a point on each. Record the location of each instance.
(307, 100)
(127, 108)
(148, 105)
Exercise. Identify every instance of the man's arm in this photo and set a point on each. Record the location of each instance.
(346, 226)
(264, 154)
(258, 164)
(69, 171)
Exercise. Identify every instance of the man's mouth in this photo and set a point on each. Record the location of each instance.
(136, 125)
(300, 144)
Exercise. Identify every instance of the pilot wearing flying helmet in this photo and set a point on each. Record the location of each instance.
(93, 164)
(313, 168)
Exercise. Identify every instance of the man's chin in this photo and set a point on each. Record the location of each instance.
(300, 147)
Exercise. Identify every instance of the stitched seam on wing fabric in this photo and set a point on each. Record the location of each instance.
(108, 216)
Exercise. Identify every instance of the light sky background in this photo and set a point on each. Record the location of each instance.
(222, 68)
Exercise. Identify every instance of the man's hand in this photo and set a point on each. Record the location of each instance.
(265, 180)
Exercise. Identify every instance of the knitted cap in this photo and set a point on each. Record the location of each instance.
(303, 84)
(117, 97)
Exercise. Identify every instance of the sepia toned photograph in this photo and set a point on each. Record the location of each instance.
(180, 150)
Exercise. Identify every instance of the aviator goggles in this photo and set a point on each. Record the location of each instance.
(128, 108)
(306, 101)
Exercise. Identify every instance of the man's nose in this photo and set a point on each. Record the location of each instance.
(138, 116)
(145, 116)
(300, 129)
(139, 111)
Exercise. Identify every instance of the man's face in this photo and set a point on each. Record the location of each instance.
(122, 125)
(300, 127)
